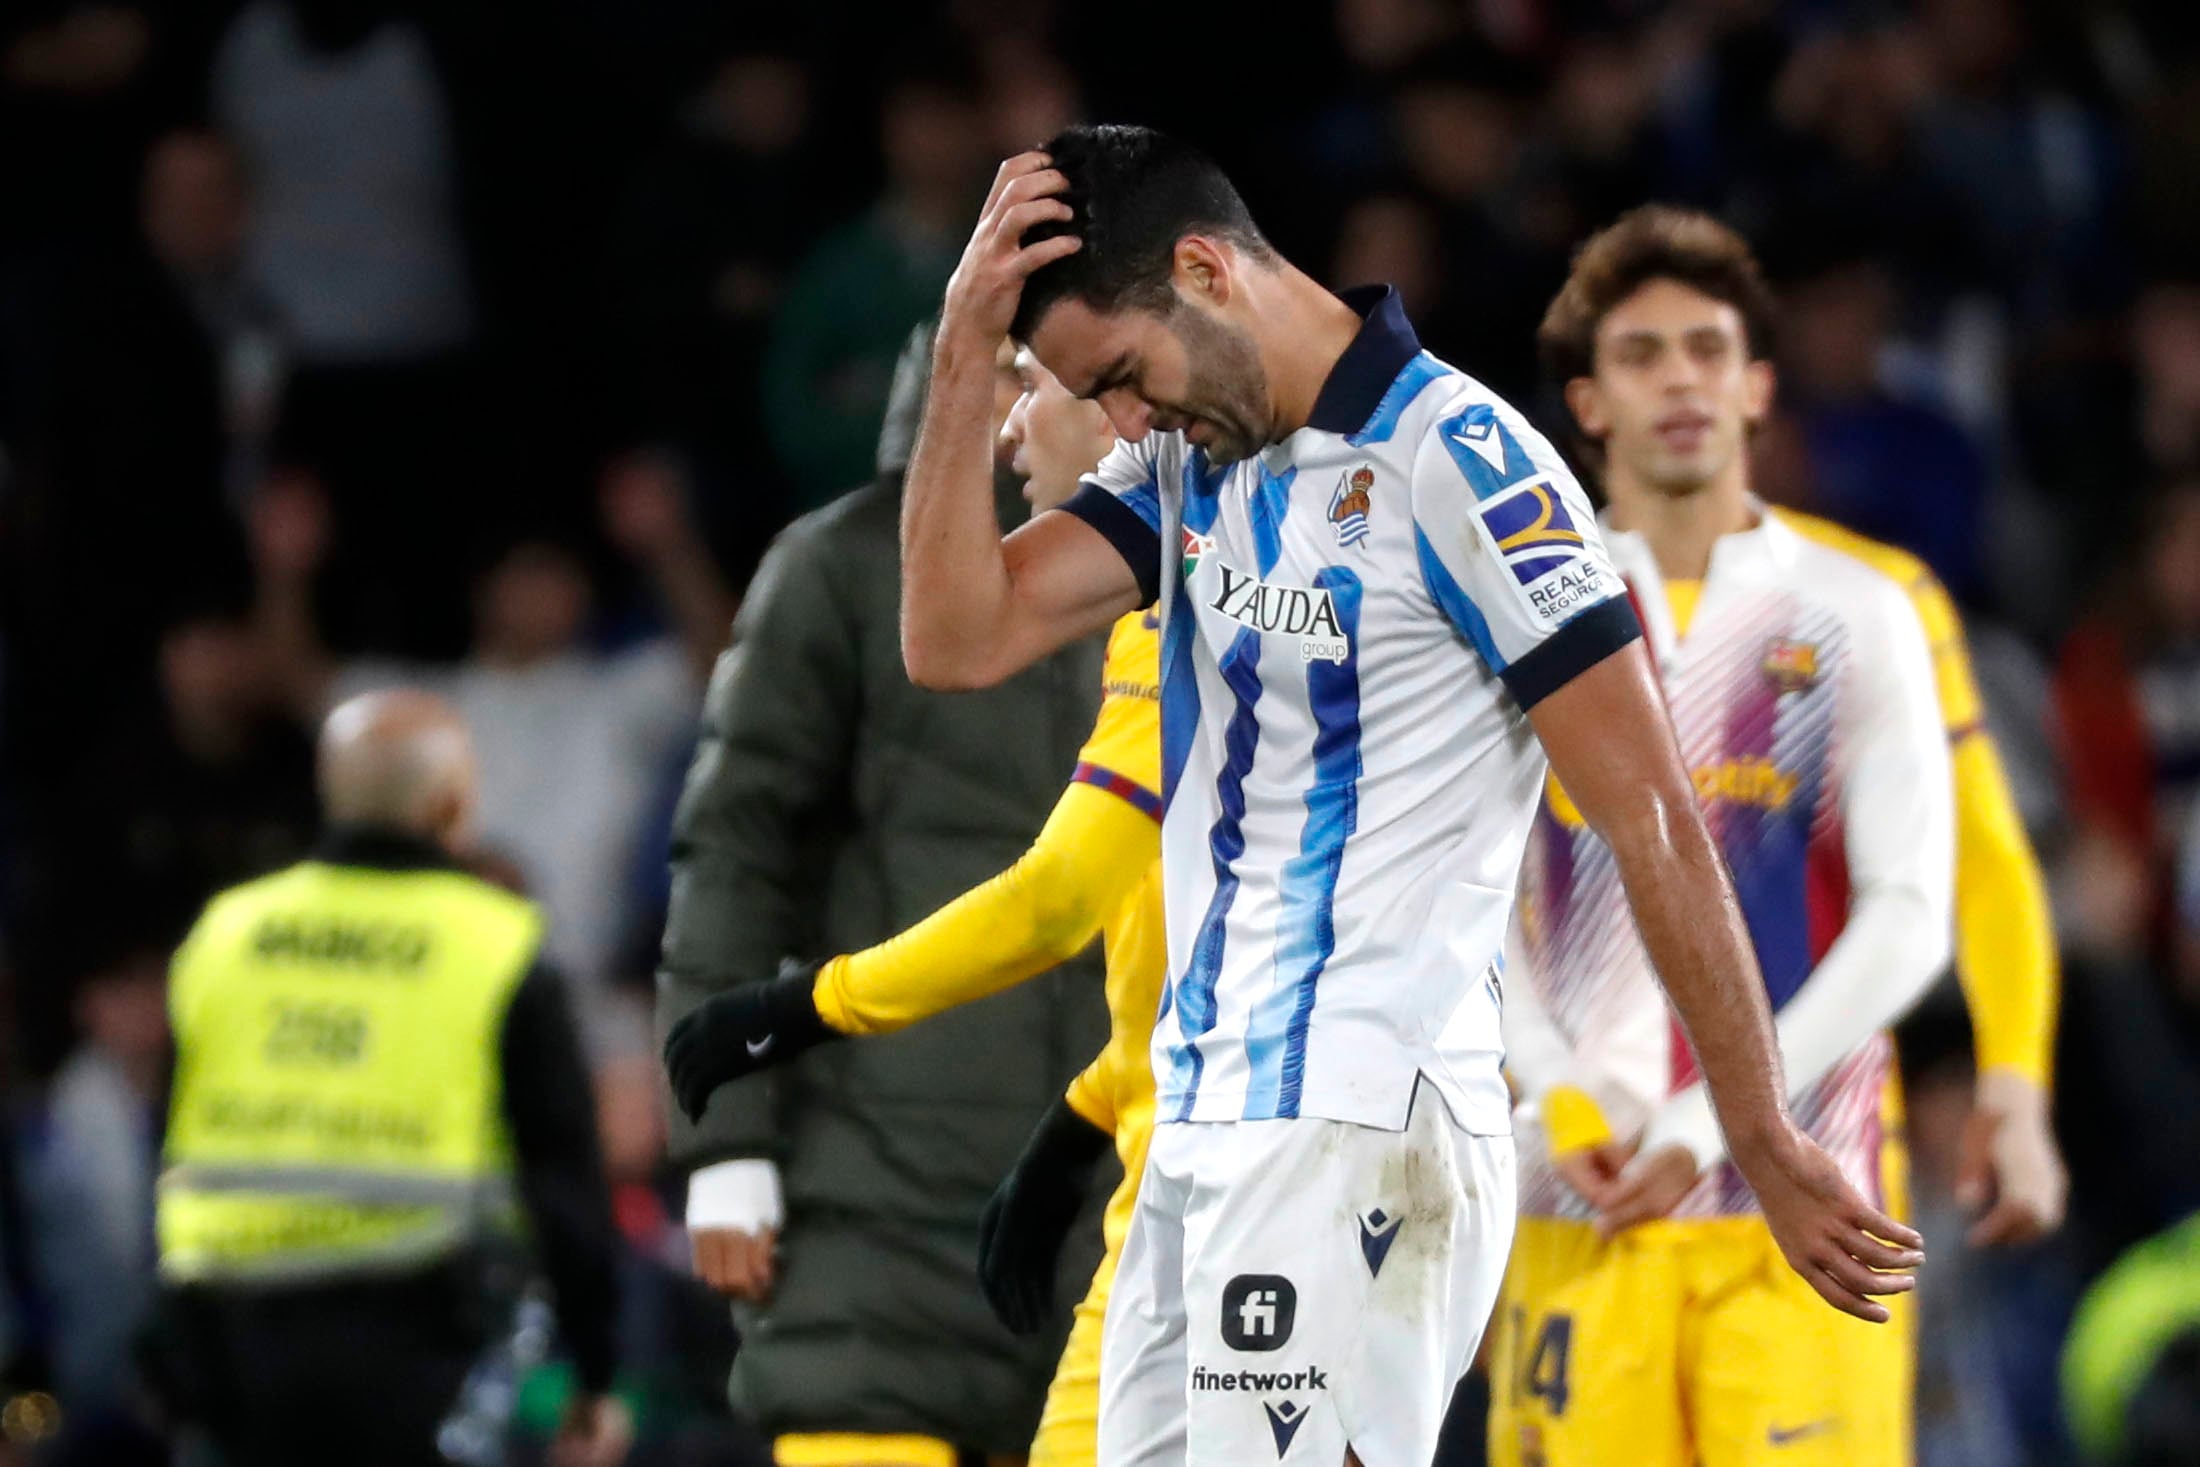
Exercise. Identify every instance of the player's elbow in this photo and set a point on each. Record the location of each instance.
(1938, 924)
(1065, 915)
(1921, 926)
(945, 664)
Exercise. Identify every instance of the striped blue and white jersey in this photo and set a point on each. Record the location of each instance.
(1353, 624)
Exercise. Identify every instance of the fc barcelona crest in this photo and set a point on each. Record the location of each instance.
(1791, 666)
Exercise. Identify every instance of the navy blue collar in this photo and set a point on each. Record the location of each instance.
(1356, 385)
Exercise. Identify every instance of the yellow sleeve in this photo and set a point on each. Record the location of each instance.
(2005, 939)
(1092, 1094)
(1096, 847)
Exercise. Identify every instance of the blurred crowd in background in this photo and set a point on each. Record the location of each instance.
(353, 341)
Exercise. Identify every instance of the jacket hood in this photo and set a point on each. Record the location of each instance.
(897, 438)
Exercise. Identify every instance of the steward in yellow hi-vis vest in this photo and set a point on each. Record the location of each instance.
(336, 1106)
(379, 1102)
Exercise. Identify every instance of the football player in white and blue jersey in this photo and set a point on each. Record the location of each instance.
(1384, 605)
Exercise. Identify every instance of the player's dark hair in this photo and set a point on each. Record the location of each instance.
(1654, 242)
(1135, 193)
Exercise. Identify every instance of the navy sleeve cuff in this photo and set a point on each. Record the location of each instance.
(1572, 650)
(1120, 526)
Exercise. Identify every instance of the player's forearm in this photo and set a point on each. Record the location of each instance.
(955, 587)
(1691, 923)
(2005, 940)
(988, 939)
(1046, 908)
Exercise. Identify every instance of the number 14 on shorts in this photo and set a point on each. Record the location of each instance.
(1541, 1370)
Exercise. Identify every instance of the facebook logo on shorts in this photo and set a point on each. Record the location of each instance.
(1257, 1311)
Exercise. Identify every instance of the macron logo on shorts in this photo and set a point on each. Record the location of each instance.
(1257, 1311)
(1378, 1230)
(1285, 1421)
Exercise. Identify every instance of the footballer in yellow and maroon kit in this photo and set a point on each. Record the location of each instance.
(1822, 702)
(1802, 693)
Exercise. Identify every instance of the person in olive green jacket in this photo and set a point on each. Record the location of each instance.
(829, 805)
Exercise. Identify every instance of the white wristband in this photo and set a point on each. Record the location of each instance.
(1687, 1121)
(740, 1196)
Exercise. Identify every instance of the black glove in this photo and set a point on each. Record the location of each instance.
(1020, 1237)
(750, 1028)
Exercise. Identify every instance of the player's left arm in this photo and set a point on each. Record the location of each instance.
(1043, 910)
(1098, 843)
(1510, 554)
(1897, 820)
(2005, 960)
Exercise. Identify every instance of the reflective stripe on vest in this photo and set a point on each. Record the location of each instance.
(368, 1189)
(338, 1093)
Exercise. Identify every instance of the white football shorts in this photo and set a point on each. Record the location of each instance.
(1290, 1288)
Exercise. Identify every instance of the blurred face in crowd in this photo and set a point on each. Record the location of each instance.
(1029, 94)
(1394, 240)
(1054, 439)
(123, 1010)
(2165, 339)
(1380, 34)
(760, 103)
(2173, 562)
(1675, 393)
(532, 606)
(1459, 142)
(1833, 330)
(191, 203)
(214, 678)
(935, 143)
(1193, 368)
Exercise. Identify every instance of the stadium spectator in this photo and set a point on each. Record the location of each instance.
(342, 113)
(91, 1180)
(345, 128)
(2127, 706)
(1395, 239)
(148, 393)
(2165, 335)
(550, 710)
(84, 85)
(1460, 118)
(1896, 469)
(2014, 153)
(860, 290)
(831, 804)
(209, 785)
(1029, 93)
(710, 230)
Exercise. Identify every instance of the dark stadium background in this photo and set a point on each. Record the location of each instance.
(623, 279)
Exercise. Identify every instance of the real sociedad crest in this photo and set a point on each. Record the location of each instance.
(1348, 507)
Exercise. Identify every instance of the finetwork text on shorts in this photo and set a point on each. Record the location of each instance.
(1309, 1379)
